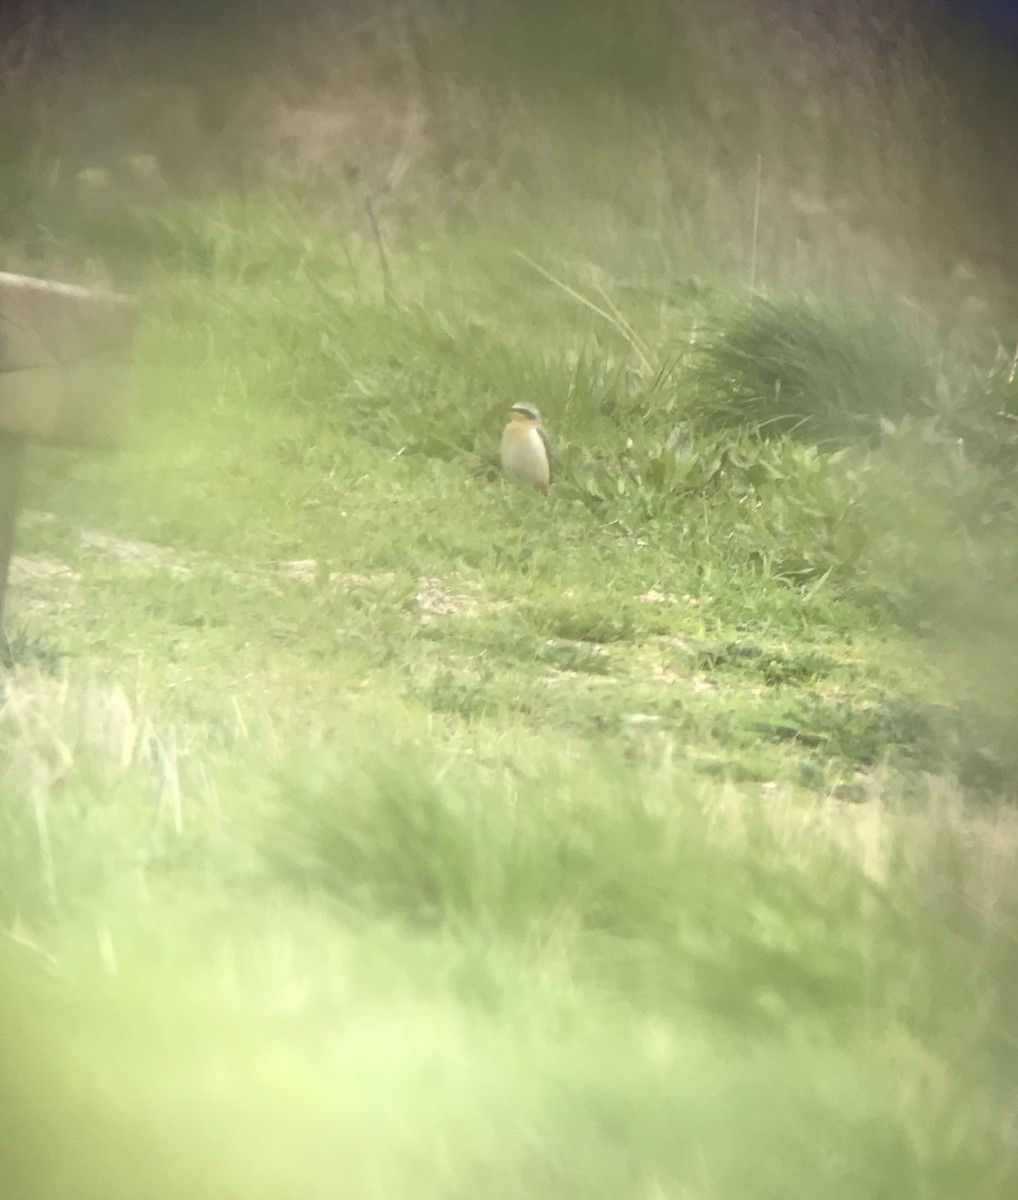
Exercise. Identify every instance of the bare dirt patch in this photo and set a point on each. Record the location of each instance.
(134, 553)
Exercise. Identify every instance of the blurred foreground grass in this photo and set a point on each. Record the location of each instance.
(411, 967)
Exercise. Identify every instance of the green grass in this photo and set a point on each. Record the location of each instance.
(368, 825)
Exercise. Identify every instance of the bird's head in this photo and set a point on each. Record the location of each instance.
(526, 413)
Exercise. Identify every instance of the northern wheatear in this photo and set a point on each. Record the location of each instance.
(525, 448)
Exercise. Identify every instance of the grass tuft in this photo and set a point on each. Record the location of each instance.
(820, 371)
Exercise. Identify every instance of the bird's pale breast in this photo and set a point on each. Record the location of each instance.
(524, 456)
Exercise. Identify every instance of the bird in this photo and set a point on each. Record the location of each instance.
(525, 454)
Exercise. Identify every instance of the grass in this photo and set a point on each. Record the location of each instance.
(366, 819)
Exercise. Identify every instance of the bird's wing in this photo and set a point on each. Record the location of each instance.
(547, 447)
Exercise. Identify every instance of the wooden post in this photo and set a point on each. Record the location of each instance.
(12, 466)
(64, 356)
